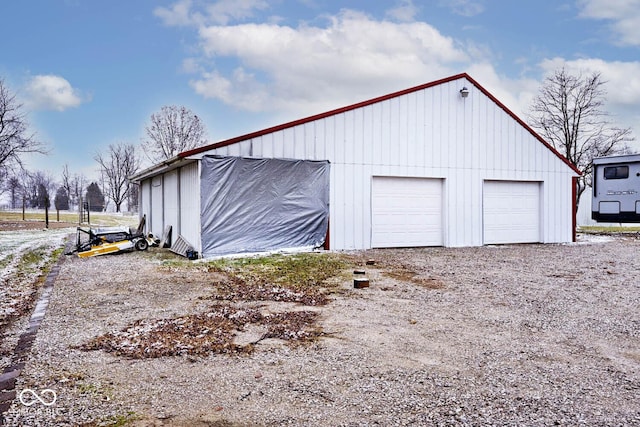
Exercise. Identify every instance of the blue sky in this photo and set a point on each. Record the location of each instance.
(90, 73)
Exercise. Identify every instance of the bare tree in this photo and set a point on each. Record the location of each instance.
(119, 163)
(74, 185)
(15, 138)
(568, 112)
(4, 180)
(132, 201)
(67, 183)
(15, 189)
(40, 186)
(172, 131)
(18, 188)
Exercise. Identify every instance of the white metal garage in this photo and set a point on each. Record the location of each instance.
(406, 212)
(425, 166)
(511, 212)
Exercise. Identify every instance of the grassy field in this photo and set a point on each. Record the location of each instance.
(609, 229)
(106, 219)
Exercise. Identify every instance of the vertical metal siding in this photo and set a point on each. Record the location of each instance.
(156, 217)
(190, 204)
(171, 200)
(320, 141)
(432, 133)
(309, 147)
(145, 198)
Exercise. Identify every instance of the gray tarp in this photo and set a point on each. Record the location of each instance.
(256, 205)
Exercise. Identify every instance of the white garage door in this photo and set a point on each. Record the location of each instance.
(511, 212)
(406, 212)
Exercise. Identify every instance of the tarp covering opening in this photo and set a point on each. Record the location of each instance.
(253, 205)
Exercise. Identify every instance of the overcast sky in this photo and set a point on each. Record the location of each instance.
(91, 73)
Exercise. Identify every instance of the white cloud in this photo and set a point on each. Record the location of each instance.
(310, 68)
(240, 90)
(186, 13)
(191, 66)
(179, 14)
(50, 92)
(293, 71)
(406, 11)
(464, 7)
(225, 11)
(623, 14)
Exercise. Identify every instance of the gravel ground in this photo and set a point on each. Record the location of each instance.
(504, 335)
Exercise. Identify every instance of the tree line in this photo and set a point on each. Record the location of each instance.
(170, 131)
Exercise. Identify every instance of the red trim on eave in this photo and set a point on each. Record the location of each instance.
(523, 124)
(318, 116)
(327, 238)
(374, 101)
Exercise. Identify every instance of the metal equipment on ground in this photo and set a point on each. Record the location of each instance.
(107, 240)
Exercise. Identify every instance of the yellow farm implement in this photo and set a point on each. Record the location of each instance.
(109, 240)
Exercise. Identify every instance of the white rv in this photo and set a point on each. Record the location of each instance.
(616, 189)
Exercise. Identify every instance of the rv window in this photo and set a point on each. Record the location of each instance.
(616, 172)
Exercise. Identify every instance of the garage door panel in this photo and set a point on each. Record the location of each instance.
(406, 212)
(511, 212)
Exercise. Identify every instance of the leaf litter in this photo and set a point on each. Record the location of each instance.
(212, 332)
(276, 279)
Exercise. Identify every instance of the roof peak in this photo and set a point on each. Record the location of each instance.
(375, 100)
(325, 114)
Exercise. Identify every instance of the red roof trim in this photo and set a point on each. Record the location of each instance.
(522, 123)
(316, 117)
(374, 101)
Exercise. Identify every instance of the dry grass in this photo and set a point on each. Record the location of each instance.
(12, 216)
(65, 219)
(306, 278)
(598, 229)
(299, 272)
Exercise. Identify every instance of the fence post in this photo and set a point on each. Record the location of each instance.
(46, 211)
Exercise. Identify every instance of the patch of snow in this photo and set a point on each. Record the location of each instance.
(283, 251)
(593, 238)
(15, 243)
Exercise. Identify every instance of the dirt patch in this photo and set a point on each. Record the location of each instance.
(413, 277)
(508, 335)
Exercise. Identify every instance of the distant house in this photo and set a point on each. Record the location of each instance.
(441, 164)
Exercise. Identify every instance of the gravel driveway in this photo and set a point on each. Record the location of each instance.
(503, 335)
